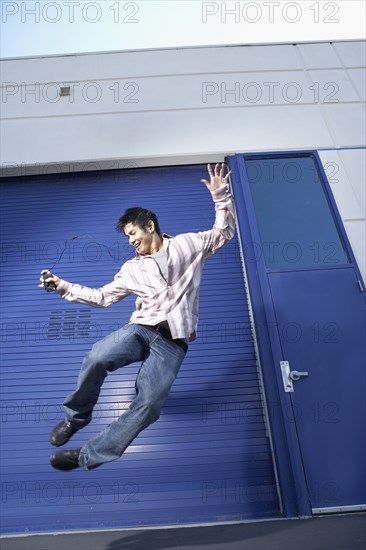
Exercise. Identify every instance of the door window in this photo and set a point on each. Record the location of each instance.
(295, 223)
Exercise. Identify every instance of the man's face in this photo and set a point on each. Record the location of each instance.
(140, 239)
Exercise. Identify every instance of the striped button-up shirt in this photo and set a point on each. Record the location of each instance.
(174, 300)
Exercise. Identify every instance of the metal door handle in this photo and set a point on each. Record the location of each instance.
(296, 375)
(289, 376)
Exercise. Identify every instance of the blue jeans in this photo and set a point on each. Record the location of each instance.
(161, 358)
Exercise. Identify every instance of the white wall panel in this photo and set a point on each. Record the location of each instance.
(358, 78)
(354, 162)
(129, 64)
(319, 56)
(183, 74)
(333, 86)
(346, 174)
(356, 231)
(347, 122)
(164, 133)
(174, 79)
(344, 193)
(178, 92)
(352, 54)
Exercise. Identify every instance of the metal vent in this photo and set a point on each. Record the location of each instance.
(65, 91)
(69, 324)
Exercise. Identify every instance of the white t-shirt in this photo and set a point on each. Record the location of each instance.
(161, 258)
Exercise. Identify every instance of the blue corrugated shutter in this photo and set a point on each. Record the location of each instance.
(208, 457)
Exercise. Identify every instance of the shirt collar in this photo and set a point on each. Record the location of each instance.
(166, 238)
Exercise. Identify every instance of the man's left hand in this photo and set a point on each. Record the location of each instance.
(217, 178)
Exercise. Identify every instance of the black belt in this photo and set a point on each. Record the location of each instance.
(165, 332)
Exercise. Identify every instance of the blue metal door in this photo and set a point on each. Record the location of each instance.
(314, 307)
(321, 321)
(208, 458)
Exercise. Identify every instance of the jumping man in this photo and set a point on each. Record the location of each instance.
(165, 275)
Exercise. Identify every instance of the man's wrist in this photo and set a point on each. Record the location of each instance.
(220, 192)
(62, 286)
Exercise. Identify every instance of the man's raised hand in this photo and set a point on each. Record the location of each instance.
(217, 178)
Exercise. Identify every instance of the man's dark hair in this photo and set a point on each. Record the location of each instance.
(138, 216)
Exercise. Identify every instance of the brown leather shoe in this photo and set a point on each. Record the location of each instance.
(62, 433)
(65, 460)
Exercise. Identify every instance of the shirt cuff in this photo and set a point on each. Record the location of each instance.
(220, 193)
(62, 287)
